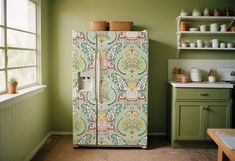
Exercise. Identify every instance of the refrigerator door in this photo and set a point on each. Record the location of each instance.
(83, 88)
(123, 95)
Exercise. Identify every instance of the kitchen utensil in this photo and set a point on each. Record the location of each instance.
(215, 43)
(195, 75)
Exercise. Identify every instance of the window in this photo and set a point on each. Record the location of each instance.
(18, 43)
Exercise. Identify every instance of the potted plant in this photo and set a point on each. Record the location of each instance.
(212, 76)
(12, 85)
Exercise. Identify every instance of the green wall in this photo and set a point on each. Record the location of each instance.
(156, 16)
(24, 124)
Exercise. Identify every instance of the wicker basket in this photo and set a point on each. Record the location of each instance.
(98, 25)
(120, 25)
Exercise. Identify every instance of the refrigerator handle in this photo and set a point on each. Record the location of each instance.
(97, 77)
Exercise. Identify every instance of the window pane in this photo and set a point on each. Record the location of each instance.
(25, 76)
(2, 81)
(2, 59)
(21, 14)
(1, 12)
(1, 37)
(21, 58)
(20, 39)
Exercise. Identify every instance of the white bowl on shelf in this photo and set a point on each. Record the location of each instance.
(194, 29)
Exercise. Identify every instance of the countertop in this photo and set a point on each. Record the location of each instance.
(203, 84)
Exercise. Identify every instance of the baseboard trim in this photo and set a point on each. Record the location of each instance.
(157, 134)
(61, 133)
(37, 148)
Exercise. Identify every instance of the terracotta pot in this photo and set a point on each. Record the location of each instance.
(11, 87)
(232, 28)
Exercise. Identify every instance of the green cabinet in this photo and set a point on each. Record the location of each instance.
(193, 110)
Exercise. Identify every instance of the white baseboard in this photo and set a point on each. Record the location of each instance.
(157, 134)
(36, 149)
(61, 133)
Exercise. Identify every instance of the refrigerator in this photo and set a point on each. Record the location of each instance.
(110, 88)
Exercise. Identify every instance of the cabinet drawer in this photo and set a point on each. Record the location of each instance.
(201, 93)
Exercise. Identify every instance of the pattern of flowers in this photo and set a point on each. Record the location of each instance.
(118, 117)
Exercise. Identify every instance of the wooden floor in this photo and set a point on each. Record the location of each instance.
(59, 148)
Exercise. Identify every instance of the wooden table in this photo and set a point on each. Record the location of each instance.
(224, 153)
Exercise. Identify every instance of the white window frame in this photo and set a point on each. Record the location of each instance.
(37, 50)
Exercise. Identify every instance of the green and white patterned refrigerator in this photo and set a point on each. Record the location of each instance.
(110, 88)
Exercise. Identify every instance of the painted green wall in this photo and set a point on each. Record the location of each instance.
(23, 125)
(156, 16)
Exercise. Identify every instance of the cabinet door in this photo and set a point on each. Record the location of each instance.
(189, 121)
(217, 115)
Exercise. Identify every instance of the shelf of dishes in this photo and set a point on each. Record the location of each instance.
(206, 32)
(214, 44)
(206, 18)
(214, 27)
(215, 12)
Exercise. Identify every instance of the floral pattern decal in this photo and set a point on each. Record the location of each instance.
(118, 117)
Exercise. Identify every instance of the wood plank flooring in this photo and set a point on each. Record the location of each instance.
(59, 148)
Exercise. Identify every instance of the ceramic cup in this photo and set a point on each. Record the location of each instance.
(202, 28)
(192, 44)
(199, 44)
(229, 45)
(222, 45)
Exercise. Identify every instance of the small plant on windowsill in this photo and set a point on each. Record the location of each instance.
(12, 85)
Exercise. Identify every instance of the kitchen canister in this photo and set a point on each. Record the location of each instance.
(214, 27)
(215, 43)
(195, 75)
(199, 43)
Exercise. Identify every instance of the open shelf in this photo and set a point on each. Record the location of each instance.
(189, 48)
(206, 18)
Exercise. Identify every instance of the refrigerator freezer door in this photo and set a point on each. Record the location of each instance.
(83, 88)
(123, 95)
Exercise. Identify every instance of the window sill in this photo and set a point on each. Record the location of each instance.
(10, 99)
